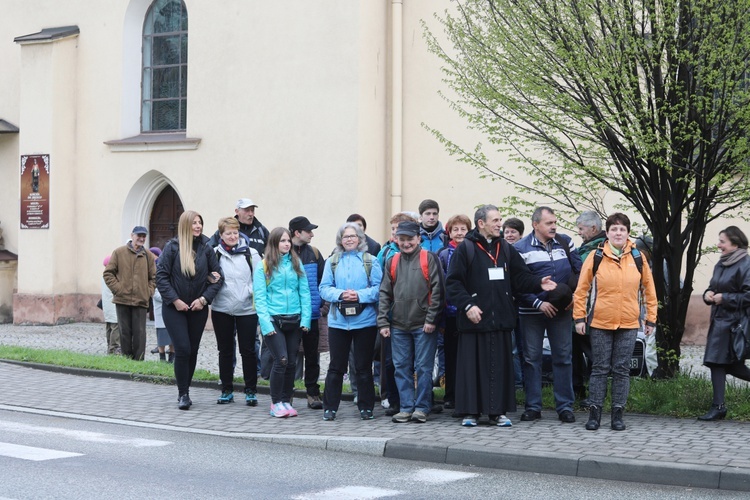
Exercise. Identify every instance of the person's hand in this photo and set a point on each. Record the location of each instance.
(709, 296)
(305, 329)
(197, 305)
(581, 328)
(548, 309)
(214, 277)
(349, 296)
(648, 330)
(385, 332)
(271, 333)
(428, 328)
(180, 305)
(718, 298)
(474, 314)
(547, 284)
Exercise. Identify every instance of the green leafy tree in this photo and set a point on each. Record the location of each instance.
(647, 100)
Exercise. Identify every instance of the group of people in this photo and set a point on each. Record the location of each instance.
(480, 289)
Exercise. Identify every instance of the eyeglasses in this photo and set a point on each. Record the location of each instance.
(349, 237)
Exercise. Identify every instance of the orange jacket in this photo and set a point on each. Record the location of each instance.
(614, 293)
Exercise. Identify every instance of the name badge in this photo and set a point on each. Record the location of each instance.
(496, 273)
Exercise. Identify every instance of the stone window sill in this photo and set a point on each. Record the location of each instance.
(154, 142)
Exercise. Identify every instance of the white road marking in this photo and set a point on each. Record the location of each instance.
(441, 476)
(95, 437)
(349, 493)
(31, 453)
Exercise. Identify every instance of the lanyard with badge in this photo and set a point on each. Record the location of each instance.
(495, 273)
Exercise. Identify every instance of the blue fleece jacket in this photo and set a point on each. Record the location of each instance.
(350, 275)
(285, 292)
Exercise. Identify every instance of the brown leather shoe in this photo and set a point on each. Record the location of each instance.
(314, 403)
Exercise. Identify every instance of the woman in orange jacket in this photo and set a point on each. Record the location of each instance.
(608, 300)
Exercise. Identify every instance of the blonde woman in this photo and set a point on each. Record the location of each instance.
(182, 278)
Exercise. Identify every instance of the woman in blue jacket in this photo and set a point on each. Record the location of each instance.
(351, 283)
(282, 301)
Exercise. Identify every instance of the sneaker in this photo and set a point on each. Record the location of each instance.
(329, 415)
(290, 410)
(469, 421)
(250, 398)
(314, 403)
(391, 411)
(366, 414)
(419, 416)
(503, 421)
(437, 409)
(278, 410)
(401, 417)
(226, 397)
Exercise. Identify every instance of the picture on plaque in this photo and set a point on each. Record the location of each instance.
(35, 192)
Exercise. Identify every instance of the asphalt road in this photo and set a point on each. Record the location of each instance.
(43, 456)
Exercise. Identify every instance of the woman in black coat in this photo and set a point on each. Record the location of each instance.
(728, 294)
(188, 278)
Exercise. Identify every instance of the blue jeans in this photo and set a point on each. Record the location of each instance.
(561, 344)
(414, 351)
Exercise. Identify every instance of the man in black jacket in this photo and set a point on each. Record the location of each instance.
(484, 274)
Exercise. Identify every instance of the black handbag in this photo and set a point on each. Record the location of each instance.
(287, 323)
(350, 308)
(738, 336)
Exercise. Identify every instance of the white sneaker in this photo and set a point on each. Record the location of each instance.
(504, 421)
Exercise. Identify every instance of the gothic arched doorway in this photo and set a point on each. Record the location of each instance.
(164, 217)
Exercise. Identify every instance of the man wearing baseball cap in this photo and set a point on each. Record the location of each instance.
(131, 276)
(250, 226)
(302, 233)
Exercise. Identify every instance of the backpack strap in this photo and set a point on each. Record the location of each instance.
(599, 255)
(423, 263)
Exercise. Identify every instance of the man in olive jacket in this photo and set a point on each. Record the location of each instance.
(411, 299)
(131, 275)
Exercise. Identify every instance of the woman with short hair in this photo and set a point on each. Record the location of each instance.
(351, 283)
(233, 313)
(613, 289)
(728, 294)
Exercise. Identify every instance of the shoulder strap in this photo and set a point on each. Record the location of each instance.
(316, 252)
(638, 258)
(367, 262)
(598, 256)
(394, 264)
(424, 264)
(335, 262)
(565, 246)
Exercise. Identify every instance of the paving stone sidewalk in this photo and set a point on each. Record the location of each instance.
(653, 449)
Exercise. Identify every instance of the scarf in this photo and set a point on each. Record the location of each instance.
(729, 259)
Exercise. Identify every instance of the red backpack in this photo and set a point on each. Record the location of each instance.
(423, 263)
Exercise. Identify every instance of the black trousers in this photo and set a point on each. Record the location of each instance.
(310, 342)
(186, 330)
(131, 320)
(339, 343)
(450, 347)
(225, 327)
(283, 348)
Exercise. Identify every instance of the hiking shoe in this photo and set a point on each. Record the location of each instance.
(226, 397)
(314, 403)
(184, 402)
(329, 415)
(290, 410)
(531, 415)
(250, 398)
(419, 416)
(278, 410)
(366, 414)
(401, 417)
(469, 421)
(566, 417)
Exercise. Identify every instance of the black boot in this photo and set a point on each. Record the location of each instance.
(717, 412)
(595, 418)
(617, 423)
(162, 357)
(171, 357)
